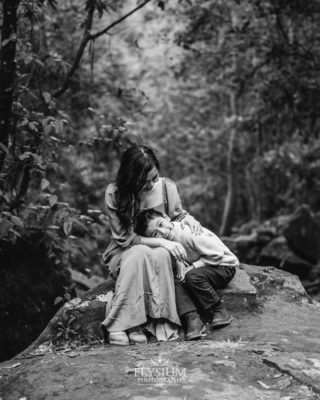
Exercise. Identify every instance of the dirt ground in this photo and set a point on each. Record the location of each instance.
(270, 351)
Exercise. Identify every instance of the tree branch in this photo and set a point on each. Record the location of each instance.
(87, 37)
(105, 30)
(83, 44)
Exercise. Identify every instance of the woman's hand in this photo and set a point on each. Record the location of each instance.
(193, 224)
(175, 249)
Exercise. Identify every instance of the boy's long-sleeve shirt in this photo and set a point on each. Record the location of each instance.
(204, 249)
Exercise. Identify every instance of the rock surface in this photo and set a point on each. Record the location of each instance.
(303, 234)
(270, 351)
(289, 242)
(240, 293)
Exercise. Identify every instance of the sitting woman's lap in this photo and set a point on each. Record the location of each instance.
(140, 256)
(144, 288)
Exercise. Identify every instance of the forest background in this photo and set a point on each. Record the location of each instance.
(226, 92)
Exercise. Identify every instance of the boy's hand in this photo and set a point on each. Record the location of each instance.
(182, 268)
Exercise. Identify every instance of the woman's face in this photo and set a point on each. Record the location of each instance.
(152, 178)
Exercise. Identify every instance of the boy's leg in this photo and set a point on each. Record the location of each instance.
(202, 283)
(188, 314)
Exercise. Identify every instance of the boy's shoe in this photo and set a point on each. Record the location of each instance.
(195, 328)
(118, 338)
(221, 317)
(136, 336)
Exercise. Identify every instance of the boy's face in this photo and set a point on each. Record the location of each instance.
(160, 227)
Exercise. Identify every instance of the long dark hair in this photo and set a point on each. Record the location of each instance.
(136, 163)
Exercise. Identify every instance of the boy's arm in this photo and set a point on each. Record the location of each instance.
(210, 249)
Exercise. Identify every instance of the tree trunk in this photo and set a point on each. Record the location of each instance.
(7, 71)
(229, 205)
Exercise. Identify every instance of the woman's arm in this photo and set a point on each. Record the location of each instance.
(175, 249)
(176, 211)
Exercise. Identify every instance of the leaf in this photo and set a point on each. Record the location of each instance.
(28, 60)
(54, 227)
(44, 183)
(17, 221)
(53, 200)
(13, 365)
(265, 386)
(5, 227)
(24, 156)
(47, 97)
(4, 148)
(12, 38)
(67, 296)
(58, 125)
(67, 226)
(5, 42)
(32, 126)
(58, 300)
(15, 233)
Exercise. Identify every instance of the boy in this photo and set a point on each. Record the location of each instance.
(210, 264)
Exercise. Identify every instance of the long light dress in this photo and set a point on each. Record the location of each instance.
(144, 290)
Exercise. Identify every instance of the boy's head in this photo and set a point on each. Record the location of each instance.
(154, 224)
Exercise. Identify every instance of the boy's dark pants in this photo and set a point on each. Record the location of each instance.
(203, 282)
(184, 303)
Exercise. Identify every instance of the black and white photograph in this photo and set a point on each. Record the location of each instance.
(160, 199)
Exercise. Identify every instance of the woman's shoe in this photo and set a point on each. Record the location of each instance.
(118, 338)
(136, 336)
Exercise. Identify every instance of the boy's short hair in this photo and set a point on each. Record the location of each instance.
(143, 220)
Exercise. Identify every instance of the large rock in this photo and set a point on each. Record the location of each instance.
(270, 351)
(278, 253)
(77, 320)
(303, 235)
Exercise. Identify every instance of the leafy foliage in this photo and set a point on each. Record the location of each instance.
(54, 156)
(248, 67)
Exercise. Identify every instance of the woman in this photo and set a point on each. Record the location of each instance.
(142, 266)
